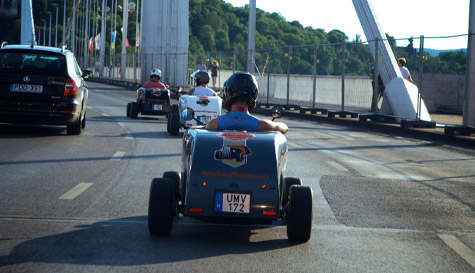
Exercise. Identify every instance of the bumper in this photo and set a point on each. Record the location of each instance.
(39, 113)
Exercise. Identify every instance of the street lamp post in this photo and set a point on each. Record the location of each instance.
(56, 30)
(44, 31)
(64, 24)
(49, 41)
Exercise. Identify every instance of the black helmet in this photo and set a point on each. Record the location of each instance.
(201, 77)
(240, 86)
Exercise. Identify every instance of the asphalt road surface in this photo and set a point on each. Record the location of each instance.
(382, 203)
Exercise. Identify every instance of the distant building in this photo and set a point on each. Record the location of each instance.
(9, 7)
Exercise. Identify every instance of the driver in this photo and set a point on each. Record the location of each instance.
(240, 94)
(201, 80)
(154, 82)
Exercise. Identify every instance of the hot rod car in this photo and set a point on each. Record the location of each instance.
(205, 107)
(233, 177)
(153, 102)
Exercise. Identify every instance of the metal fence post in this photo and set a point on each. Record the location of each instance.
(268, 79)
(314, 75)
(288, 74)
(421, 70)
(343, 64)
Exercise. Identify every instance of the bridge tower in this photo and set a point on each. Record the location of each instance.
(164, 40)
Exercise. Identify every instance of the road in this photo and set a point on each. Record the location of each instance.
(382, 203)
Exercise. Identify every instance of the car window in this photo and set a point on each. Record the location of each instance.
(32, 61)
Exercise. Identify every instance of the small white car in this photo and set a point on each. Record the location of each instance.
(205, 108)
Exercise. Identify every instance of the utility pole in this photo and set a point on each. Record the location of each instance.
(56, 30)
(123, 60)
(64, 24)
(103, 38)
(49, 41)
(251, 41)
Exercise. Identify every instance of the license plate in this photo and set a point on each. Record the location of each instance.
(26, 88)
(157, 107)
(232, 202)
(205, 119)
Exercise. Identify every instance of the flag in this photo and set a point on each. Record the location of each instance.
(90, 45)
(114, 33)
(127, 42)
(98, 41)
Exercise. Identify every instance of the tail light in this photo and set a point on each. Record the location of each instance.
(70, 89)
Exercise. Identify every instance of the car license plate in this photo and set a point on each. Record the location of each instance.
(157, 107)
(205, 119)
(232, 202)
(26, 88)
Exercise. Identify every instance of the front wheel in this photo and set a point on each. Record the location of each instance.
(161, 206)
(300, 213)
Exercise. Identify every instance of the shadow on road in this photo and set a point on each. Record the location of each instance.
(126, 241)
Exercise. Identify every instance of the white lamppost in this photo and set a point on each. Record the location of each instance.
(56, 30)
(64, 24)
(44, 31)
(49, 41)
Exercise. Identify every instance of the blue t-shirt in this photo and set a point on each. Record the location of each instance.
(238, 120)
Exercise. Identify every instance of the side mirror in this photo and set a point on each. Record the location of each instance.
(188, 114)
(276, 112)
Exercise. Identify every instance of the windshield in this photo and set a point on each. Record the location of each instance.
(32, 61)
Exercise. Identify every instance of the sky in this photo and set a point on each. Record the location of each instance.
(400, 19)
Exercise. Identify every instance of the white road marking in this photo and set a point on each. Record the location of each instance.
(80, 188)
(118, 155)
(293, 144)
(466, 253)
(338, 166)
(89, 107)
(129, 137)
(121, 124)
(105, 115)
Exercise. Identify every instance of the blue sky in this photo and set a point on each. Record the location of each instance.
(401, 19)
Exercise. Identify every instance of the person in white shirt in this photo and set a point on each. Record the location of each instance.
(201, 80)
(401, 62)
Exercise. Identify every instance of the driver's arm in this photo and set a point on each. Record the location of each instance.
(268, 125)
(192, 90)
(212, 124)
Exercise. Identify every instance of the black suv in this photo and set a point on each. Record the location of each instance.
(42, 85)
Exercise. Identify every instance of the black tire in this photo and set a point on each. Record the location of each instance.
(83, 123)
(176, 178)
(168, 122)
(174, 124)
(134, 110)
(75, 128)
(161, 206)
(174, 108)
(289, 181)
(128, 109)
(300, 213)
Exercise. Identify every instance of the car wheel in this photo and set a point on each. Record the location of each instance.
(75, 128)
(134, 109)
(161, 206)
(174, 108)
(174, 124)
(300, 213)
(289, 181)
(176, 178)
(128, 109)
(83, 123)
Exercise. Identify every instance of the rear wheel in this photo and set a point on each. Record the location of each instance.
(168, 122)
(134, 109)
(83, 123)
(128, 109)
(161, 206)
(75, 128)
(176, 178)
(300, 213)
(289, 181)
(174, 124)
